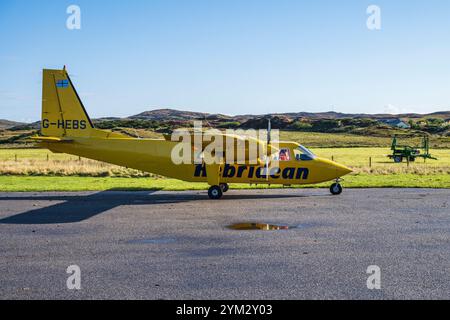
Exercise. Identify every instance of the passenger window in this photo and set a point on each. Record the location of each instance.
(284, 155)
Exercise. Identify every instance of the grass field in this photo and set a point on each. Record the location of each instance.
(41, 170)
(43, 183)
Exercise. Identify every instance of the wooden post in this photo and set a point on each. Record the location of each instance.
(47, 156)
(407, 161)
(79, 158)
(15, 157)
(332, 158)
(370, 162)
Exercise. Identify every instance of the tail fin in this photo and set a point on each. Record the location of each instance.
(63, 113)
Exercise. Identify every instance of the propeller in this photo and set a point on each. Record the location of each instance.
(269, 128)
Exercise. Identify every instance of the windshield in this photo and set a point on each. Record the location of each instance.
(306, 151)
(303, 153)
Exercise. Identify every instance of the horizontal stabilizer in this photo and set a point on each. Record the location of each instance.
(50, 139)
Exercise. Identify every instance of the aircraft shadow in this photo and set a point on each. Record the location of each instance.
(76, 208)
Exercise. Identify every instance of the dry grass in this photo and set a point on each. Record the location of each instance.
(84, 167)
(417, 170)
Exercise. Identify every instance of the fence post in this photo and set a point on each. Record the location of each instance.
(370, 162)
(332, 158)
(79, 158)
(47, 156)
(15, 157)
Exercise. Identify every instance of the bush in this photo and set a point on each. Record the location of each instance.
(325, 125)
(301, 126)
(228, 125)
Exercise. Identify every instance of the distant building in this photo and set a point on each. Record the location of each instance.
(395, 123)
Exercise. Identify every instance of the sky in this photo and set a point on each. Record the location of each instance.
(228, 56)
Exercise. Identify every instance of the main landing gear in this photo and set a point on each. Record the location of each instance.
(216, 192)
(336, 188)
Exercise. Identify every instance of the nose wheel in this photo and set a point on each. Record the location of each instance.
(336, 188)
(224, 187)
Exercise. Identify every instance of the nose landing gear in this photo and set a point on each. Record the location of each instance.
(224, 187)
(336, 188)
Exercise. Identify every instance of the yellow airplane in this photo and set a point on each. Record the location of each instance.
(67, 128)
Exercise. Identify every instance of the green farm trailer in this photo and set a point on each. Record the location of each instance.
(409, 153)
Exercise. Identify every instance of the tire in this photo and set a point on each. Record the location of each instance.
(398, 159)
(215, 192)
(336, 189)
(412, 159)
(224, 187)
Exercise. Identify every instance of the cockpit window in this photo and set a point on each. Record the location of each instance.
(304, 154)
(283, 155)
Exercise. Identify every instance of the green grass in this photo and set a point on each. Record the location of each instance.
(35, 154)
(26, 183)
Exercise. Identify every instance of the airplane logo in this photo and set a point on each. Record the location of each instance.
(62, 83)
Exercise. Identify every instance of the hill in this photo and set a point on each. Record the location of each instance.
(168, 115)
(6, 124)
(154, 122)
(172, 114)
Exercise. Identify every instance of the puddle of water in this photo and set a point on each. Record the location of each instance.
(258, 226)
(152, 241)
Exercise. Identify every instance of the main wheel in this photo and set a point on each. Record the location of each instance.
(412, 159)
(336, 189)
(224, 187)
(215, 192)
(398, 159)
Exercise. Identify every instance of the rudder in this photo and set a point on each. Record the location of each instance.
(63, 113)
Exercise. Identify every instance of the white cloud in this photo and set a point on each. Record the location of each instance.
(391, 109)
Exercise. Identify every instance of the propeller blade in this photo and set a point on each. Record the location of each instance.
(269, 128)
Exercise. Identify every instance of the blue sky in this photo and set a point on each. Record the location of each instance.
(231, 57)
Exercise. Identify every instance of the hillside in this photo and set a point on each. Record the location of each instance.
(6, 124)
(172, 114)
(168, 114)
(162, 121)
(165, 120)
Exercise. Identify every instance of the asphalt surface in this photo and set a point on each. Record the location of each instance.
(176, 245)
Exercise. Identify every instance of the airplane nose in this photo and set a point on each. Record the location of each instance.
(332, 170)
(341, 170)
